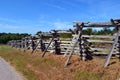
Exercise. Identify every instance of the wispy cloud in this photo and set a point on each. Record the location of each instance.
(15, 21)
(19, 29)
(97, 10)
(7, 26)
(8, 20)
(87, 1)
(55, 6)
(62, 25)
(68, 3)
(46, 24)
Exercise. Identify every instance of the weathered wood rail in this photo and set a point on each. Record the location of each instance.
(80, 44)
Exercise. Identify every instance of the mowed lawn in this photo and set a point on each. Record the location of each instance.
(33, 67)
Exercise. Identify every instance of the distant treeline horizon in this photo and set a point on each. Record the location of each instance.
(88, 31)
(104, 31)
(5, 37)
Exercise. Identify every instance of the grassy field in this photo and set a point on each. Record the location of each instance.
(18, 60)
(33, 67)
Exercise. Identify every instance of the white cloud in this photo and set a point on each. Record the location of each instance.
(68, 3)
(55, 6)
(16, 21)
(62, 26)
(9, 20)
(6, 26)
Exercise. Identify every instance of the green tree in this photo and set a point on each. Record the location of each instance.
(5, 37)
(88, 31)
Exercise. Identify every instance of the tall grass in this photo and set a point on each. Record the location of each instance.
(86, 75)
(20, 60)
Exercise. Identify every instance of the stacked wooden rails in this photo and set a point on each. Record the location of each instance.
(102, 48)
(80, 44)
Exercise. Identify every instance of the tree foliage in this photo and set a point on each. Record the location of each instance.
(105, 31)
(65, 35)
(5, 37)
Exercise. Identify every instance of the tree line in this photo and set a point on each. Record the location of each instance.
(5, 37)
(104, 31)
(90, 31)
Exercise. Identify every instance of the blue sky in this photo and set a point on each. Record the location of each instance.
(30, 16)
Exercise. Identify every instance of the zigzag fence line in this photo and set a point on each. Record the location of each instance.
(83, 45)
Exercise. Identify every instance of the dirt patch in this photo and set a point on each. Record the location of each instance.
(59, 72)
(51, 67)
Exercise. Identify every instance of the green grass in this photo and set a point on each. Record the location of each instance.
(85, 75)
(17, 59)
(38, 60)
(20, 60)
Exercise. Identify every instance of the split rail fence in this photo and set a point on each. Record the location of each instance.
(83, 45)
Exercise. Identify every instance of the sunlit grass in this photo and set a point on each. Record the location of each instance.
(32, 66)
(17, 59)
(21, 60)
(85, 75)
